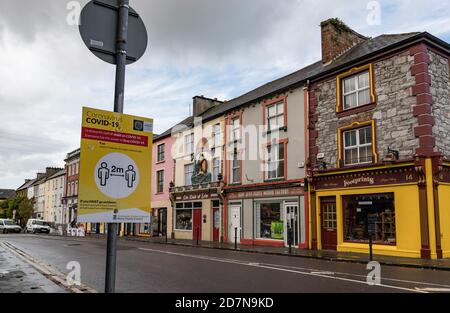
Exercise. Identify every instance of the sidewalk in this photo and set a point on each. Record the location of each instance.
(16, 276)
(442, 264)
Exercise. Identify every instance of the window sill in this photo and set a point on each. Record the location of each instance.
(159, 162)
(159, 193)
(355, 110)
(274, 179)
(234, 184)
(367, 242)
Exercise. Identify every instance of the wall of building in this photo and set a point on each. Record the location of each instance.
(444, 218)
(393, 111)
(255, 139)
(440, 91)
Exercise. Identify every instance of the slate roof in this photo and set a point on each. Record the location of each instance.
(57, 174)
(27, 184)
(7, 193)
(361, 51)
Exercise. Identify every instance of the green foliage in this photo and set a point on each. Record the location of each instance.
(337, 23)
(22, 206)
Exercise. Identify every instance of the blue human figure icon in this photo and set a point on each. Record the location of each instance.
(103, 173)
(130, 176)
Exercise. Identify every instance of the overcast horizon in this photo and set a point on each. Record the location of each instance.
(219, 49)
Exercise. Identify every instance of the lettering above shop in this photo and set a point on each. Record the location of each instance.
(372, 178)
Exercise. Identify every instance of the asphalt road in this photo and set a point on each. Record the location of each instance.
(151, 267)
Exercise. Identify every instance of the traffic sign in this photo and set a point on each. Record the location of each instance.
(98, 29)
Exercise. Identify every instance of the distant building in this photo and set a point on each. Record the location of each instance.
(70, 198)
(54, 192)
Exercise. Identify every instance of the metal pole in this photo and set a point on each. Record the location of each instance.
(197, 234)
(370, 247)
(290, 239)
(121, 56)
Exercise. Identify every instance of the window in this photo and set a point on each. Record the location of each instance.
(216, 135)
(358, 145)
(215, 169)
(188, 172)
(356, 90)
(372, 214)
(160, 181)
(183, 215)
(160, 152)
(275, 116)
(269, 220)
(235, 131)
(76, 187)
(235, 167)
(275, 161)
(189, 143)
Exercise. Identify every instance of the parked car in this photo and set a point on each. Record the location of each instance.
(8, 226)
(37, 226)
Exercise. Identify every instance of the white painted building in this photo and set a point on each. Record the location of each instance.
(54, 192)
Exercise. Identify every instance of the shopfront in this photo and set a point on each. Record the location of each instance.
(196, 214)
(267, 217)
(383, 204)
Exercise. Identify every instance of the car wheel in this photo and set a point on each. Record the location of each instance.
(4, 231)
(34, 231)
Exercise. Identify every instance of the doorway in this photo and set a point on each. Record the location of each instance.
(328, 223)
(197, 224)
(235, 224)
(291, 223)
(162, 221)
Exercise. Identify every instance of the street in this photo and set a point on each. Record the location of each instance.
(151, 267)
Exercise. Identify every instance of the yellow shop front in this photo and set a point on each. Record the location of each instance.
(385, 203)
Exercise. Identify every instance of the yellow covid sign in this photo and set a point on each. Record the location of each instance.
(115, 168)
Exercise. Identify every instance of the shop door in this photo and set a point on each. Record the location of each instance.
(328, 222)
(162, 222)
(197, 225)
(235, 224)
(216, 224)
(291, 223)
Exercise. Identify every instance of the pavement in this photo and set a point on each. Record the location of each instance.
(144, 266)
(18, 276)
(363, 258)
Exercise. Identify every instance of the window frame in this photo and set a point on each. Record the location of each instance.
(275, 102)
(239, 167)
(215, 135)
(213, 167)
(354, 72)
(341, 148)
(192, 173)
(158, 191)
(189, 145)
(159, 153)
(283, 142)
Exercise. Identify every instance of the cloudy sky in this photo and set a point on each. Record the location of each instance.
(216, 48)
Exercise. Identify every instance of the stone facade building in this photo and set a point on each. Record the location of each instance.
(379, 144)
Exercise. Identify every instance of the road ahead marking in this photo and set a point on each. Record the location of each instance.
(272, 267)
(434, 289)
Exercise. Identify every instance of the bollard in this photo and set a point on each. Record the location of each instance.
(370, 247)
(290, 239)
(235, 238)
(197, 235)
(166, 237)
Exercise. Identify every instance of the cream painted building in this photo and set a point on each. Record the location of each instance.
(54, 192)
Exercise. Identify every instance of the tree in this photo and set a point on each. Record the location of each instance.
(24, 211)
(4, 205)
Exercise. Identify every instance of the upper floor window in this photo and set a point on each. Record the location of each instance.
(188, 172)
(276, 161)
(235, 129)
(160, 152)
(160, 181)
(215, 169)
(216, 135)
(358, 146)
(275, 116)
(189, 143)
(235, 167)
(356, 90)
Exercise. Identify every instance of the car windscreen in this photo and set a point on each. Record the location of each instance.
(8, 222)
(41, 223)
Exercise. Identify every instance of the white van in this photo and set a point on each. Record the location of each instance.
(37, 226)
(8, 226)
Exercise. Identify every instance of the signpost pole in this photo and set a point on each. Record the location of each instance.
(121, 55)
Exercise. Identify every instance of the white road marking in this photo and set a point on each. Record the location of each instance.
(434, 289)
(240, 262)
(323, 273)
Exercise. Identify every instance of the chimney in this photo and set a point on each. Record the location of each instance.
(201, 104)
(51, 170)
(40, 175)
(337, 38)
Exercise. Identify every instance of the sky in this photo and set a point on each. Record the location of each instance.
(216, 48)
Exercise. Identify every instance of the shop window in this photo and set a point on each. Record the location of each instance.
(366, 215)
(183, 218)
(358, 146)
(269, 220)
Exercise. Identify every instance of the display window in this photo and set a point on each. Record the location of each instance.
(269, 220)
(369, 215)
